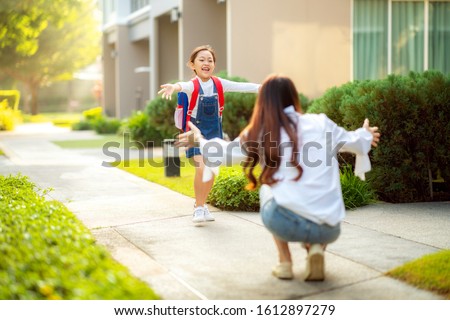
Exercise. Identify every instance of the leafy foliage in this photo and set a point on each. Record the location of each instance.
(412, 114)
(160, 115)
(141, 131)
(228, 192)
(48, 254)
(356, 193)
(57, 38)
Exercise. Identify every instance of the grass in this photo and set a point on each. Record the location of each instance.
(430, 272)
(92, 143)
(154, 172)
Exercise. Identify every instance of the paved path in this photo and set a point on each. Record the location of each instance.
(148, 228)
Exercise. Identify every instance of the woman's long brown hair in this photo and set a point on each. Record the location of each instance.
(261, 138)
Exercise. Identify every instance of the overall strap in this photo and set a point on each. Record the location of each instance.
(219, 87)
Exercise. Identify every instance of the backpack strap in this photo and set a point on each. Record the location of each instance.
(193, 102)
(219, 88)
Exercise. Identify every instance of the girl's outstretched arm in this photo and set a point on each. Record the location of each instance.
(168, 89)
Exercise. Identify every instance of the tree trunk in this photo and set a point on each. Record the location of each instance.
(34, 90)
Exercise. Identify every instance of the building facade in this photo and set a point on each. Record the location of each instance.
(318, 43)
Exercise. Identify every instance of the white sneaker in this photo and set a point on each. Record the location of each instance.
(208, 214)
(315, 266)
(199, 215)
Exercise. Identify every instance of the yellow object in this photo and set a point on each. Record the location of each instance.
(12, 93)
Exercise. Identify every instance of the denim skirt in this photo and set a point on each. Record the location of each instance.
(291, 227)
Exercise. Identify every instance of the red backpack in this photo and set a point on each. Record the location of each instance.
(184, 109)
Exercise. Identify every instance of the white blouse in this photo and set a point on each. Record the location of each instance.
(317, 195)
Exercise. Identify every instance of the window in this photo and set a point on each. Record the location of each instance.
(391, 36)
(138, 4)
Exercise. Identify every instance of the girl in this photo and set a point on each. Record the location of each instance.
(206, 115)
(301, 198)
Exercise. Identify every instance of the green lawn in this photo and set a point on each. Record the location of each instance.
(430, 272)
(155, 173)
(91, 143)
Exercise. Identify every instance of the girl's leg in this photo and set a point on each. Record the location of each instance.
(201, 188)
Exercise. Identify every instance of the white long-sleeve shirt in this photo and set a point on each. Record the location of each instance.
(317, 195)
(208, 88)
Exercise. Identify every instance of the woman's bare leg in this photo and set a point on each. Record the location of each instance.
(284, 254)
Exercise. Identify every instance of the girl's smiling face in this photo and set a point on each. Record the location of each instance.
(203, 65)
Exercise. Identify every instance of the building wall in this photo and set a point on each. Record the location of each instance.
(309, 41)
(167, 50)
(202, 22)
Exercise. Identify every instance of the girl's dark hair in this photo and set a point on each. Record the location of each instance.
(195, 52)
(261, 138)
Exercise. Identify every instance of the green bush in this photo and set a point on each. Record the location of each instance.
(46, 253)
(228, 192)
(138, 125)
(83, 125)
(356, 192)
(103, 125)
(160, 115)
(412, 114)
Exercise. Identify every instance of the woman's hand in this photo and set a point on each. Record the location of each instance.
(168, 89)
(190, 138)
(374, 131)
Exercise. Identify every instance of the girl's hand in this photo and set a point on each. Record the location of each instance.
(168, 89)
(374, 131)
(190, 138)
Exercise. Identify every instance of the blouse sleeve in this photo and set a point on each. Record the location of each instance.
(218, 152)
(357, 142)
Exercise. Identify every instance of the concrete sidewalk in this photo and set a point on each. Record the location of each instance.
(148, 228)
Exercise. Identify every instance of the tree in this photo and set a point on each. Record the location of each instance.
(21, 23)
(69, 41)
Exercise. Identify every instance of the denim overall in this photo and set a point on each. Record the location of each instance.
(207, 119)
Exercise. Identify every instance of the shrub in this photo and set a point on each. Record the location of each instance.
(138, 125)
(46, 253)
(8, 117)
(93, 113)
(103, 125)
(160, 115)
(356, 192)
(83, 125)
(408, 110)
(228, 192)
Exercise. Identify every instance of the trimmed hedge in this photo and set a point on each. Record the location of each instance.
(46, 253)
(413, 115)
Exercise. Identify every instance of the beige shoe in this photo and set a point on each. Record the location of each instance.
(283, 270)
(315, 265)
